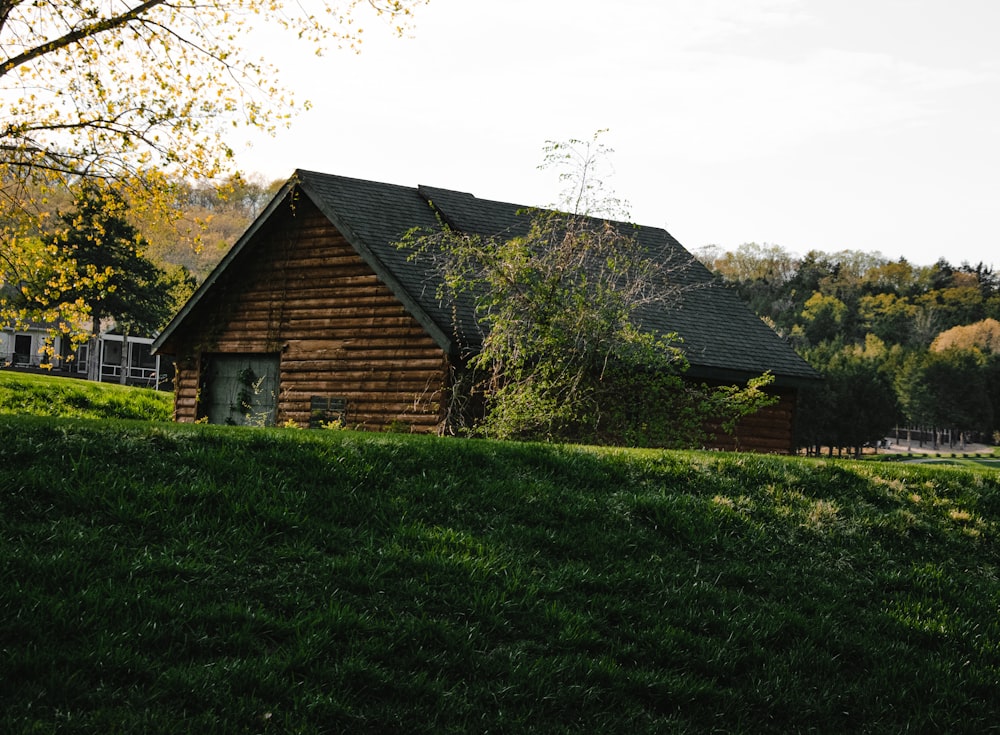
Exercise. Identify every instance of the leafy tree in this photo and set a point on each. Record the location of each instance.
(915, 397)
(888, 316)
(984, 335)
(926, 323)
(761, 275)
(752, 262)
(558, 302)
(984, 338)
(115, 90)
(562, 357)
(815, 269)
(983, 276)
(856, 403)
(954, 306)
(991, 307)
(32, 279)
(822, 318)
(110, 276)
(894, 277)
(940, 275)
(850, 273)
(992, 377)
(957, 380)
(178, 285)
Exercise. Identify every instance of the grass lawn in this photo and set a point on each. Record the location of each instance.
(159, 578)
(48, 395)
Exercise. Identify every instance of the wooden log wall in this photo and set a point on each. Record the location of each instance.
(299, 290)
(769, 431)
(186, 380)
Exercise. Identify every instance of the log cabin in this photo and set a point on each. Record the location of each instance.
(317, 316)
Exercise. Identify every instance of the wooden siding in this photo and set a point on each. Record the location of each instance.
(299, 290)
(767, 431)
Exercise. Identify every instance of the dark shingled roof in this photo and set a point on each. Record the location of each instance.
(721, 337)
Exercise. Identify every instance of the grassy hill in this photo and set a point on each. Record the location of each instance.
(48, 395)
(161, 578)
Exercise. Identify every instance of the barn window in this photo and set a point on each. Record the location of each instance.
(324, 411)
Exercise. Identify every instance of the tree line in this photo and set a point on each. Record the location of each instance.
(900, 346)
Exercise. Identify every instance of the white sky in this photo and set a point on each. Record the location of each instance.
(811, 124)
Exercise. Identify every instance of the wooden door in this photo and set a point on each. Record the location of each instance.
(240, 389)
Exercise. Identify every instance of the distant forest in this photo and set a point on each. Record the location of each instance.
(899, 344)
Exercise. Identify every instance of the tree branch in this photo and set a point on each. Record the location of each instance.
(78, 34)
(5, 7)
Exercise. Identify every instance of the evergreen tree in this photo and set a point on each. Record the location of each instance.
(111, 277)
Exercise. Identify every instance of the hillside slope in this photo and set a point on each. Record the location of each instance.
(161, 579)
(34, 394)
